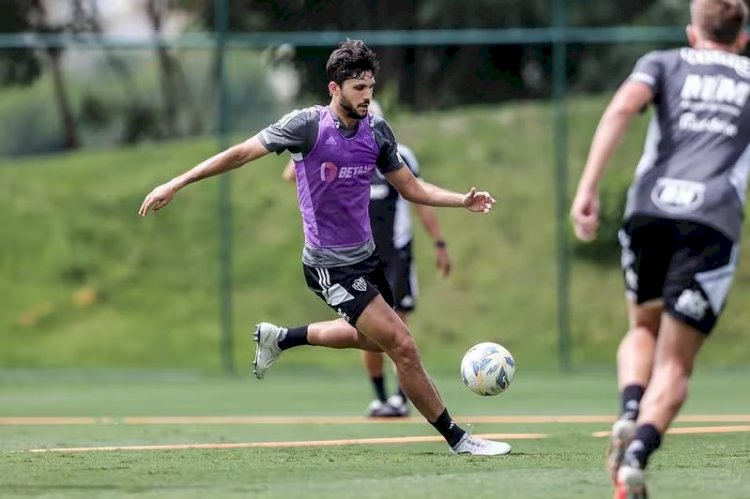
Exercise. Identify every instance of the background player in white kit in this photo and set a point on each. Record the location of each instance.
(390, 218)
(683, 219)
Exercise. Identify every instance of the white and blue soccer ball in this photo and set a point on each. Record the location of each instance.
(488, 369)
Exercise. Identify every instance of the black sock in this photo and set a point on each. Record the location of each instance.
(631, 402)
(402, 395)
(448, 428)
(646, 440)
(295, 336)
(378, 383)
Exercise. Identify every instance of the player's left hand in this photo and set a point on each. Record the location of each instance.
(478, 202)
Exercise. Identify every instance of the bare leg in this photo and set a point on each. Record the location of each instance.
(676, 350)
(339, 334)
(373, 360)
(635, 355)
(381, 325)
(635, 361)
(404, 316)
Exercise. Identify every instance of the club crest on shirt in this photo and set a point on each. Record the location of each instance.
(678, 196)
(359, 284)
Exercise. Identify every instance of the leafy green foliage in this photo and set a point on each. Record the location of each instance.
(122, 103)
(18, 66)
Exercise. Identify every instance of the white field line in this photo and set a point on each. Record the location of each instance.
(309, 443)
(693, 430)
(364, 441)
(324, 420)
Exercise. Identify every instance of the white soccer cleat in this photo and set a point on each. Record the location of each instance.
(378, 409)
(373, 408)
(480, 447)
(631, 482)
(394, 407)
(399, 405)
(267, 337)
(623, 431)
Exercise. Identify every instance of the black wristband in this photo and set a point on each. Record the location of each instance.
(440, 244)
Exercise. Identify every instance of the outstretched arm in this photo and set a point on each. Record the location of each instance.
(429, 219)
(229, 159)
(421, 192)
(629, 100)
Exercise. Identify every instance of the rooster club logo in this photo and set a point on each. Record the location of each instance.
(328, 172)
(359, 284)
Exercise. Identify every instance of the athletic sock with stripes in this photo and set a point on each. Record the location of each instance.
(646, 440)
(631, 402)
(448, 428)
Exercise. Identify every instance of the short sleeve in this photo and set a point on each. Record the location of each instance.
(389, 158)
(649, 70)
(409, 158)
(296, 132)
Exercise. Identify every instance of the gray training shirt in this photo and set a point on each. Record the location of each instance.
(696, 158)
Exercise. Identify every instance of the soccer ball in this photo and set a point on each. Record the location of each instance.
(488, 369)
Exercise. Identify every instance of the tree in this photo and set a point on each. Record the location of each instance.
(18, 66)
(40, 23)
(440, 75)
(175, 88)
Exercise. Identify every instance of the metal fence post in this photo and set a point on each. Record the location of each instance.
(221, 24)
(559, 48)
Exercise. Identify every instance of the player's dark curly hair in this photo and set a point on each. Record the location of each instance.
(352, 59)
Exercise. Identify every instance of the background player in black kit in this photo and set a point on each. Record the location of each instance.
(390, 218)
(683, 219)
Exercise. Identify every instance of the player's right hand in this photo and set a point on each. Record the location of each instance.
(585, 215)
(158, 198)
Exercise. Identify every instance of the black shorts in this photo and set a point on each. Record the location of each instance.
(349, 289)
(686, 265)
(399, 270)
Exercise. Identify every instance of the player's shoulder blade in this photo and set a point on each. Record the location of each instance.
(667, 59)
(717, 60)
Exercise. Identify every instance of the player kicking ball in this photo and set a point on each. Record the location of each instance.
(336, 148)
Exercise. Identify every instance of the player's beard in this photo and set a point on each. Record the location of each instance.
(351, 111)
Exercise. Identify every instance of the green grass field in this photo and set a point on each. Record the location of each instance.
(86, 284)
(109, 409)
